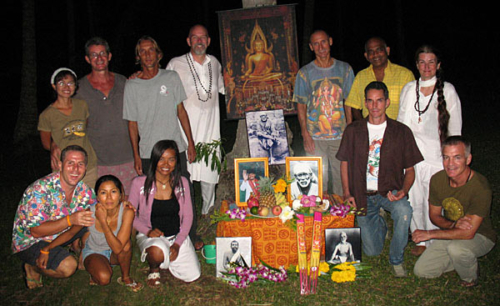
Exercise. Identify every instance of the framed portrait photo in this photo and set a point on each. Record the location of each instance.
(306, 172)
(247, 172)
(232, 251)
(342, 245)
(267, 135)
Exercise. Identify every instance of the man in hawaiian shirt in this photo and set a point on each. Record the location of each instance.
(53, 213)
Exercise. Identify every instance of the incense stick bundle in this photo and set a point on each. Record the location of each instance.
(302, 254)
(315, 251)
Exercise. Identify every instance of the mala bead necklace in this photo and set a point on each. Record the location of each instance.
(195, 75)
(417, 103)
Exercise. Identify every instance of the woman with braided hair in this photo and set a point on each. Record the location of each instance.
(431, 108)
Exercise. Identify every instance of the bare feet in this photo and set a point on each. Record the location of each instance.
(33, 278)
(418, 250)
(198, 245)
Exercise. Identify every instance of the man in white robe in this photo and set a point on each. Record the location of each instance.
(201, 77)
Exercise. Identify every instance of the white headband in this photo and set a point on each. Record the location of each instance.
(59, 70)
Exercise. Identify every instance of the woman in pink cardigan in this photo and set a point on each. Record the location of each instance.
(164, 216)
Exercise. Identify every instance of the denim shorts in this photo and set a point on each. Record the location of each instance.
(88, 251)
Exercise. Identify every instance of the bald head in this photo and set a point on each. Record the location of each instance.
(378, 40)
(318, 32)
(377, 52)
(197, 27)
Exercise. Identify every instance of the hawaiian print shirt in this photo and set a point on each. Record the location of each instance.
(42, 201)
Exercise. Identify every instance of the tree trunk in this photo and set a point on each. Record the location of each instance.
(307, 31)
(70, 14)
(400, 47)
(27, 116)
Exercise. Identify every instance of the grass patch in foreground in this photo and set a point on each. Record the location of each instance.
(381, 289)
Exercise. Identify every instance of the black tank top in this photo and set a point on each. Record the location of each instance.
(165, 216)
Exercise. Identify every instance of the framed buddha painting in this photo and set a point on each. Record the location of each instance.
(259, 59)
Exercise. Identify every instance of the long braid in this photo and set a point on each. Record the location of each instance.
(443, 114)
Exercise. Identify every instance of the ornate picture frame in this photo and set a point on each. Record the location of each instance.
(307, 175)
(260, 59)
(247, 172)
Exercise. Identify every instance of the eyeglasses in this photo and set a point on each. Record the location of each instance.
(62, 84)
(100, 54)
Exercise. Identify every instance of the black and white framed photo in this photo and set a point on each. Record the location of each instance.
(232, 251)
(267, 135)
(342, 245)
(306, 172)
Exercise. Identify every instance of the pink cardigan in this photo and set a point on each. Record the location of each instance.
(142, 221)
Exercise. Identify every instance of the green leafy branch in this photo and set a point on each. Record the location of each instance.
(207, 152)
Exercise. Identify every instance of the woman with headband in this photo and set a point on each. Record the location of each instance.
(64, 122)
(430, 107)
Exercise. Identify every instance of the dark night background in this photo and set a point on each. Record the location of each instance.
(464, 32)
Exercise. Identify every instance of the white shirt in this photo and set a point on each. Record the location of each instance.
(426, 132)
(204, 117)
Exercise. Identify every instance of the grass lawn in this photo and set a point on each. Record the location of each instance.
(20, 169)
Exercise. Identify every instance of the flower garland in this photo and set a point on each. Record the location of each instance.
(344, 272)
(349, 271)
(344, 209)
(242, 277)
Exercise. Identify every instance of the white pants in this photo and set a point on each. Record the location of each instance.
(208, 196)
(419, 198)
(186, 267)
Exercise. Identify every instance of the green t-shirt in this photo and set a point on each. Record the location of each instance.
(475, 197)
(69, 130)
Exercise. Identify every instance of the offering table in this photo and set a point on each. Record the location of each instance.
(275, 243)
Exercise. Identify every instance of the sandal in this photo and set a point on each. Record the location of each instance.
(466, 284)
(92, 282)
(31, 283)
(154, 279)
(133, 286)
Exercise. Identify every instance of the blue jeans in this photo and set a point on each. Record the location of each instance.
(374, 228)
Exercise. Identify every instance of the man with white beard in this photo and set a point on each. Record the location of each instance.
(304, 183)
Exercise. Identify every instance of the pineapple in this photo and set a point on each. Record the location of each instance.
(266, 190)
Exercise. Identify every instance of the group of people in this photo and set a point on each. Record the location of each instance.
(123, 156)
(398, 148)
(121, 166)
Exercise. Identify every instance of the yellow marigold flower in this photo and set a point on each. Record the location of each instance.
(280, 186)
(343, 276)
(324, 267)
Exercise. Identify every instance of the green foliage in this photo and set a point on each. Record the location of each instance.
(207, 152)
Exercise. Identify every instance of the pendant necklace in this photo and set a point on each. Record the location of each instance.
(163, 185)
(417, 103)
(195, 75)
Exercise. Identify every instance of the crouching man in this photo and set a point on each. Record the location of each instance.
(53, 213)
(459, 204)
(377, 156)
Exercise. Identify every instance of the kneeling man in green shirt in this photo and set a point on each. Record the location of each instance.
(459, 204)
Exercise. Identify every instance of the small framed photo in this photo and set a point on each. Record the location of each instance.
(267, 135)
(232, 251)
(342, 245)
(307, 176)
(247, 172)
